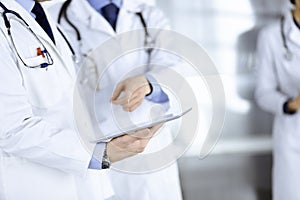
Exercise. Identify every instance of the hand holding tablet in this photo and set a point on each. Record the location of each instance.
(132, 129)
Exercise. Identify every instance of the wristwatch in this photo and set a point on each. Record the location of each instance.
(286, 109)
(105, 159)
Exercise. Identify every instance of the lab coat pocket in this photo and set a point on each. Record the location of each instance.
(44, 86)
(95, 185)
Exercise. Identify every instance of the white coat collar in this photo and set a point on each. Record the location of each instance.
(291, 31)
(91, 17)
(13, 5)
(27, 4)
(133, 6)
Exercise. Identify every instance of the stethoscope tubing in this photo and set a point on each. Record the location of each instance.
(8, 27)
(288, 54)
(149, 43)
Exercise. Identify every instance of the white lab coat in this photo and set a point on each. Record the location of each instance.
(41, 154)
(279, 80)
(94, 29)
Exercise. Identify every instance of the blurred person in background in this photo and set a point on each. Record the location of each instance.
(278, 92)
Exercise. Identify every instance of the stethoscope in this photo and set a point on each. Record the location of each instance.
(149, 42)
(43, 58)
(288, 53)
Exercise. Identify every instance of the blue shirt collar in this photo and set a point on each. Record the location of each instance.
(98, 4)
(26, 4)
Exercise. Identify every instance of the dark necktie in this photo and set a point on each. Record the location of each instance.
(41, 19)
(110, 13)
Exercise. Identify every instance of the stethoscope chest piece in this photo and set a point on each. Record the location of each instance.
(76, 59)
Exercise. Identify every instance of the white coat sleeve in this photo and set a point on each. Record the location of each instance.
(29, 137)
(267, 95)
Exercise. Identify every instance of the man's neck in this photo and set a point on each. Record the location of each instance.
(296, 15)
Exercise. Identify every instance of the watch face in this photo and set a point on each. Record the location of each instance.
(105, 164)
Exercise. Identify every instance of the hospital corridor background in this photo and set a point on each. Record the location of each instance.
(239, 166)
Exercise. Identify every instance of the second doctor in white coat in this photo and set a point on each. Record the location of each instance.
(41, 154)
(94, 30)
(278, 92)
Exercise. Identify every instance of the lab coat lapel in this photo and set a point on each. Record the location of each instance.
(129, 6)
(37, 28)
(291, 30)
(90, 17)
(103, 26)
(295, 35)
(133, 6)
(30, 21)
(61, 48)
(122, 22)
(45, 38)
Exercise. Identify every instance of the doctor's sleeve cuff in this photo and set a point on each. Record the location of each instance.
(157, 95)
(96, 161)
(286, 109)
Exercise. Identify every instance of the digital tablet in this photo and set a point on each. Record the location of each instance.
(141, 126)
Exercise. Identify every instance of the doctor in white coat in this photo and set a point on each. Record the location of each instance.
(94, 29)
(278, 92)
(41, 153)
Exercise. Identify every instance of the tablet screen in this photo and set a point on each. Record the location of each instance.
(164, 119)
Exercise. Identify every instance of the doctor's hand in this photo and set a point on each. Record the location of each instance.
(135, 89)
(129, 145)
(294, 104)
